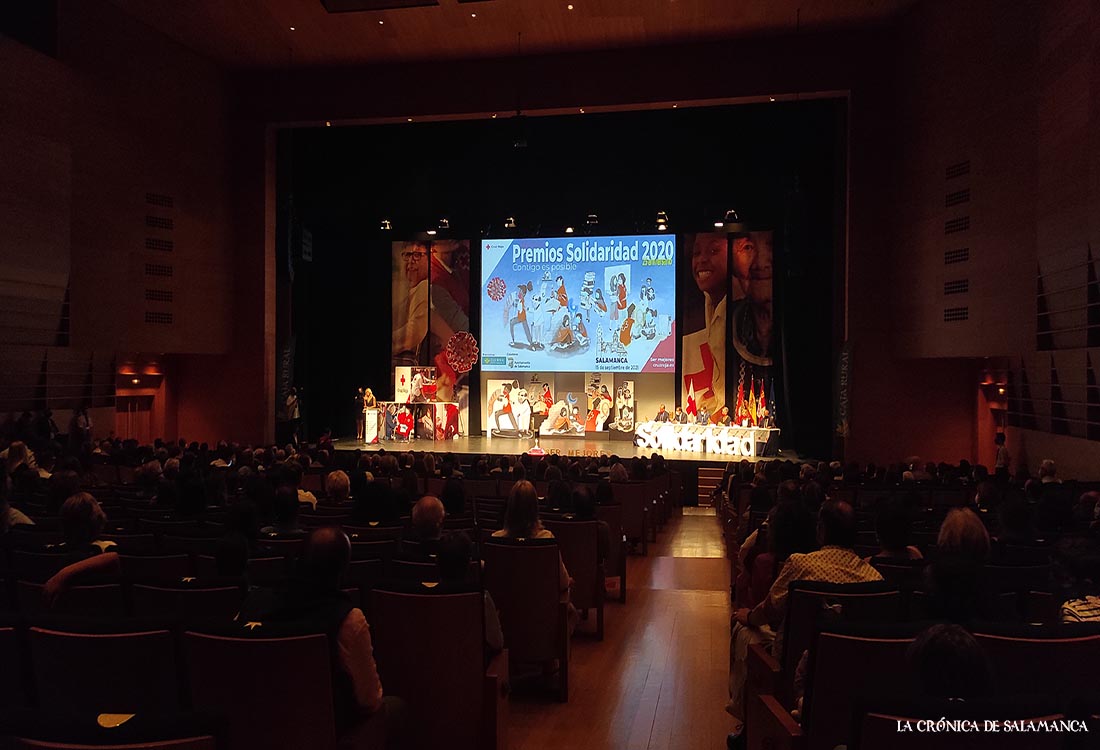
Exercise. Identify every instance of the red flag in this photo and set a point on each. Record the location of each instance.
(740, 400)
(762, 407)
(691, 408)
(752, 403)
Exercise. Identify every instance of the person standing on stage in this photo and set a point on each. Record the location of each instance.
(294, 414)
(360, 419)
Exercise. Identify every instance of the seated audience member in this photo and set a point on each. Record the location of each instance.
(604, 495)
(375, 504)
(521, 521)
(314, 599)
(455, 553)
(1014, 525)
(427, 522)
(285, 520)
(1077, 570)
(894, 527)
(584, 509)
(954, 579)
(559, 496)
(59, 488)
(789, 529)
(760, 497)
(338, 487)
(82, 521)
(618, 473)
(9, 516)
(946, 662)
(454, 497)
(835, 562)
(292, 474)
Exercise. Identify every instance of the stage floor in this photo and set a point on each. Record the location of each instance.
(577, 446)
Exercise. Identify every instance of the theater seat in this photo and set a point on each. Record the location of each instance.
(579, 545)
(189, 743)
(187, 599)
(438, 671)
(285, 680)
(104, 600)
(523, 580)
(118, 671)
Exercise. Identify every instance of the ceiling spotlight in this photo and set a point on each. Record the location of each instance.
(569, 7)
(582, 110)
(410, 119)
(1001, 391)
(473, 15)
(771, 98)
(674, 106)
(591, 220)
(510, 222)
(494, 115)
(135, 381)
(718, 225)
(292, 28)
(328, 123)
(432, 232)
(662, 219)
(731, 222)
(569, 230)
(386, 225)
(380, 22)
(444, 223)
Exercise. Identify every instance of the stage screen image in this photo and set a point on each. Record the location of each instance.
(579, 304)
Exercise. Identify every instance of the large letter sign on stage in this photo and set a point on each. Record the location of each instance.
(690, 438)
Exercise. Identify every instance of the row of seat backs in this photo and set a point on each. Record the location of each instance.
(274, 685)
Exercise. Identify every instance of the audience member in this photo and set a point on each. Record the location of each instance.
(948, 663)
(82, 522)
(454, 557)
(285, 520)
(1078, 572)
(893, 526)
(954, 580)
(337, 487)
(521, 521)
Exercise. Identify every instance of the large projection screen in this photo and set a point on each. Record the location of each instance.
(579, 304)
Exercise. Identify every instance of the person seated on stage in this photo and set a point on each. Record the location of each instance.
(679, 417)
(703, 416)
(337, 487)
(285, 521)
(521, 521)
(723, 417)
(894, 527)
(454, 556)
(662, 415)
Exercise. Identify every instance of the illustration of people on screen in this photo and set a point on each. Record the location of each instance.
(618, 289)
(646, 292)
(600, 303)
(649, 324)
(563, 337)
(587, 288)
(704, 351)
(519, 306)
(626, 332)
(563, 296)
(580, 332)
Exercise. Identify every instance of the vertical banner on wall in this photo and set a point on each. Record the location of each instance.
(729, 278)
(410, 303)
(449, 313)
(752, 333)
(704, 288)
(622, 414)
(842, 393)
(598, 387)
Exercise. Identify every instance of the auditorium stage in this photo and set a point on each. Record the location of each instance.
(481, 445)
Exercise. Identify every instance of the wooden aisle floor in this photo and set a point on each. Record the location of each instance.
(659, 678)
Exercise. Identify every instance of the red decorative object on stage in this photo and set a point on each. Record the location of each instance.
(462, 351)
(496, 289)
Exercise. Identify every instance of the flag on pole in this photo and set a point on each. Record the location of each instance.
(740, 401)
(762, 406)
(752, 402)
(691, 407)
(771, 399)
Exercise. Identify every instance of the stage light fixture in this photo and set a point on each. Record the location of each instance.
(135, 381)
(731, 222)
(510, 222)
(292, 28)
(771, 98)
(386, 225)
(569, 230)
(328, 123)
(444, 223)
(591, 220)
(431, 232)
(718, 225)
(662, 221)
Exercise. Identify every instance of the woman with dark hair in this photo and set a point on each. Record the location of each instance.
(894, 527)
(947, 662)
(453, 497)
(558, 495)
